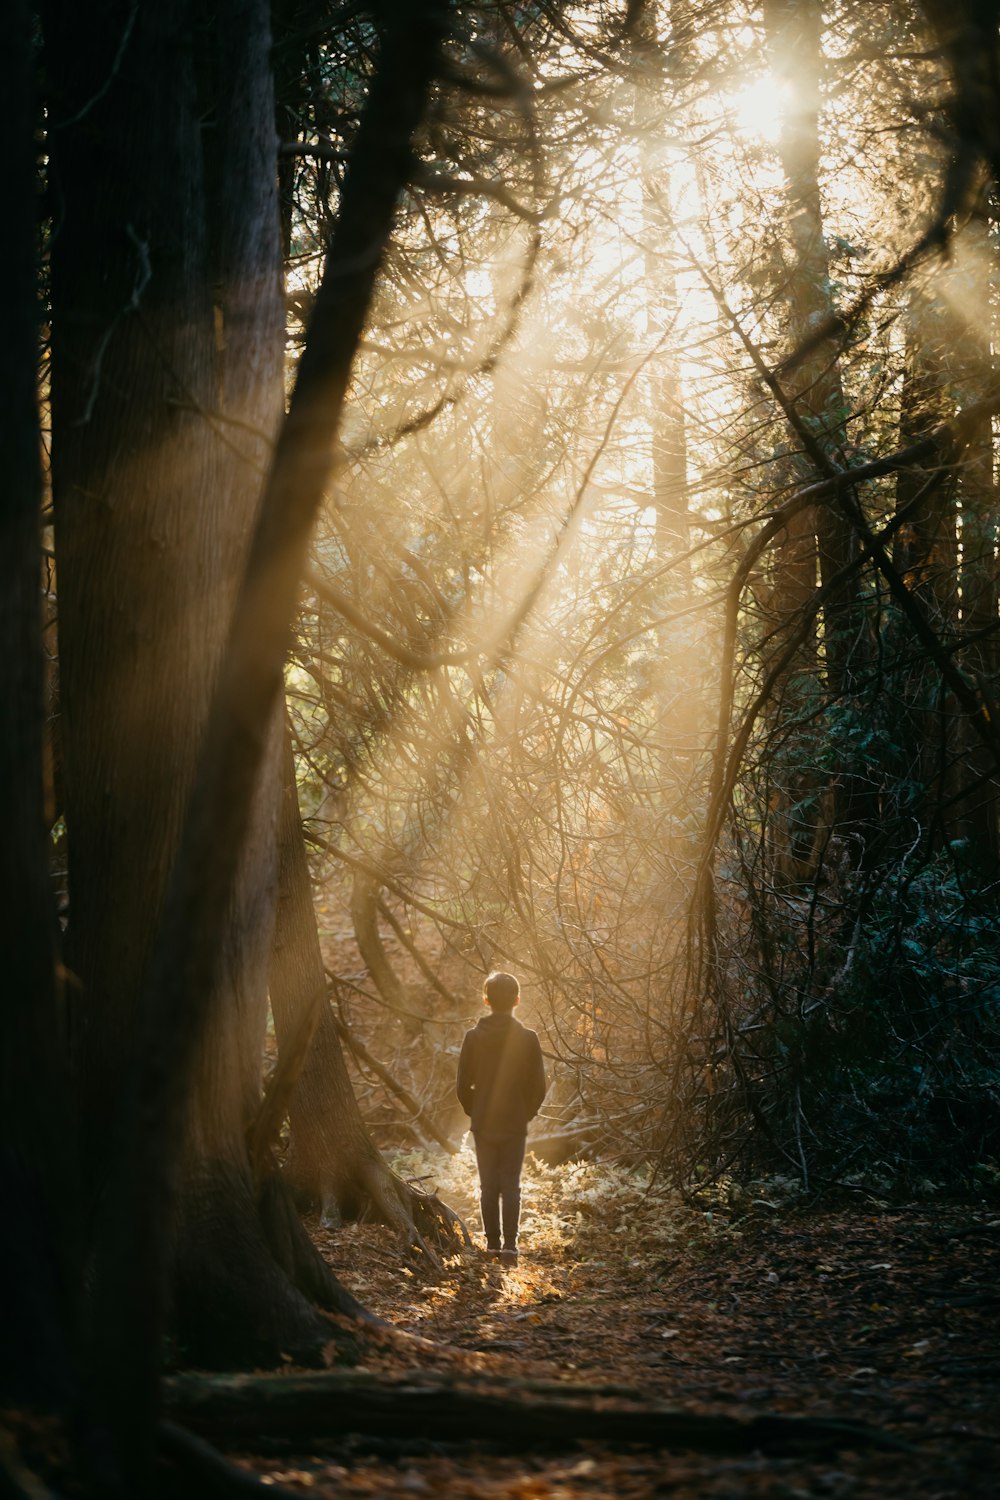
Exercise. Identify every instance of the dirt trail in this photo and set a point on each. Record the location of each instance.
(876, 1315)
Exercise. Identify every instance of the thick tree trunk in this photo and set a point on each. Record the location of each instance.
(167, 360)
(966, 32)
(188, 959)
(37, 1310)
(976, 813)
(146, 571)
(945, 551)
(224, 1261)
(166, 368)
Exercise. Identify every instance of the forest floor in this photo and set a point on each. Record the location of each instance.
(751, 1304)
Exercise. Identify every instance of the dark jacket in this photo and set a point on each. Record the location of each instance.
(501, 1076)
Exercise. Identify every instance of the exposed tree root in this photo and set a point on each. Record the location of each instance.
(311, 1408)
(300, 1260)
(192, 1469)
(250, 1288)
(425, 1223)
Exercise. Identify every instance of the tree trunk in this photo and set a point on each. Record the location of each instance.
(794, 30)
(364, 917)
(146, 571)
(925, 555)
(156, 490)
(333, 1164)
(677, 715)
(37, 1310)
(966, 33)
(224, 1261)
(795, 44)
(945, 550)
(167, 341)
(976, 815)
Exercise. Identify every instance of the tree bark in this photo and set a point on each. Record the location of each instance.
(145, 571)
(925, 555)
(364, 917)
(166, 368)
(966, 32)
(167, 339)
(976, 814)
(795, 44)
(333, 1163)
(794, 32)
(310, 1408)
(675, 694)
(187, 955)
(222, 1247)
(37, 1310)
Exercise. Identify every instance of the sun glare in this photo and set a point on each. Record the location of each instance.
(758, 108)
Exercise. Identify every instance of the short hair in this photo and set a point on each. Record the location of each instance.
(501, 991)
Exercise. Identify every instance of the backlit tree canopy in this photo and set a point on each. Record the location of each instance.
(604, 668)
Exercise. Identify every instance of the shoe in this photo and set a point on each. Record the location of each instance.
(509, 1257)
(493, 1252)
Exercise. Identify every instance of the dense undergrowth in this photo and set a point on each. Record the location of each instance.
(581, 1209)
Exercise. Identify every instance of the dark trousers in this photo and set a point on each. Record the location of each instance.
(500, 1161)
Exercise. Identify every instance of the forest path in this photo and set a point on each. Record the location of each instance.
(885, 1316)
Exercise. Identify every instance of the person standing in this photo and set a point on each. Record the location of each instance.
(501, 1085)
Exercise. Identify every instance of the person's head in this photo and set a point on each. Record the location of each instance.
(501, 992)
